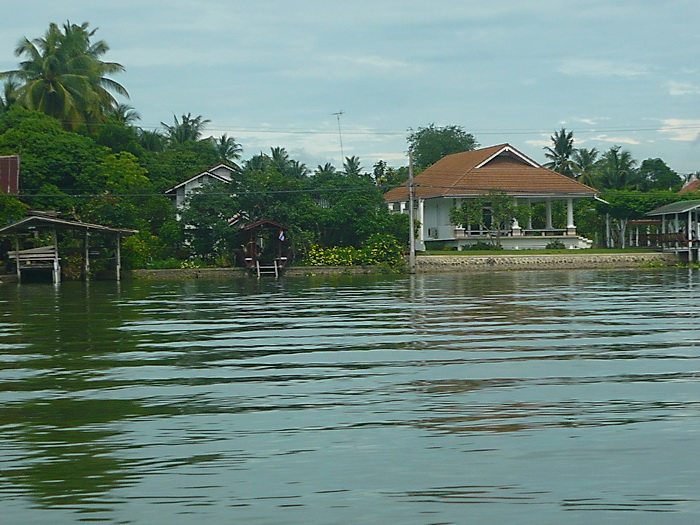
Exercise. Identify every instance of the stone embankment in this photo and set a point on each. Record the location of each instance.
(578, 260)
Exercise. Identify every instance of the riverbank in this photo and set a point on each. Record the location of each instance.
(431, 264)
(444, 263)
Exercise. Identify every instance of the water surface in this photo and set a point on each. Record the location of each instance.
(530, 397)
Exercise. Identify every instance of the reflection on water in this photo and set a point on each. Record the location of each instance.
(535, 397)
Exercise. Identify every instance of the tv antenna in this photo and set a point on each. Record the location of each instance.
(340, 136)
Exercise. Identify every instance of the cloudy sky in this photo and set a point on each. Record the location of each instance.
(274, 72)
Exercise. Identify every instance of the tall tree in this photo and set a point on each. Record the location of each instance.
(64, 76)
(229, 150)
(656, 175)
(326, 169)
(617, 168)
(559, 154)
(8, 94)
(189, 129)
(430, 144)
(352, 166)
(125, 114)
(584, 166)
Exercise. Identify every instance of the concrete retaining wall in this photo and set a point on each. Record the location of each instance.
(455, 263)
(443, 263)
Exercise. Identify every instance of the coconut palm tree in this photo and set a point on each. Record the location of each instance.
(559, 154)
(229, 150)
(352, 166)
(326, 169)
(8, 94)
(151, 140)
(62, 74)
(190, 129)
(617, 169)
(125, 114)
(584, 166)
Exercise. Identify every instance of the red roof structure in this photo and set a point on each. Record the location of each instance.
(496, 168)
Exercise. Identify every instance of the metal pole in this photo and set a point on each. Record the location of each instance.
(411, 219)
(340, 136)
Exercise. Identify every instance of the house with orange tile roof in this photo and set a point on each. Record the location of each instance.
(501, 169)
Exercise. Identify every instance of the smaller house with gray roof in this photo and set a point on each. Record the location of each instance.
(500, 169)
(221, 172)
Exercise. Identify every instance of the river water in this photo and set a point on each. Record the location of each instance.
(524, 397)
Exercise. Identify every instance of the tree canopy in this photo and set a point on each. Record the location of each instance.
(429, 144)
(63, 75)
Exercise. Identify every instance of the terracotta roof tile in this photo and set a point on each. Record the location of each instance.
(497, 168)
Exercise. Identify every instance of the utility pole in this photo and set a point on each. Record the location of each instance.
(340, 136)
(411, 219)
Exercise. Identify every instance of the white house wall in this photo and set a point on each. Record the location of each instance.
(436, 218)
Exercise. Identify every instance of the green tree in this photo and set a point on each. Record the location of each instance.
(189, 129)
(493, 212)
(387, 177)
(352, 166)
(559, 154)
(151, 140)
(63, 75)
(617, 169)
(656, 175)
(206, 216)
(229, 150)
(53, 160)
(124, 114)
(584, 166)
(326, 169)
(429, 144)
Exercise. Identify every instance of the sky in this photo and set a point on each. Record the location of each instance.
(328, 79)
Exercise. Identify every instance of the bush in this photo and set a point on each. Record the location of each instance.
(379, 249)
(555, 245)
(482, 245)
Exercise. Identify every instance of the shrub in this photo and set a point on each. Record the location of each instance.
(555, 245)
(379, 249)
(482, 245)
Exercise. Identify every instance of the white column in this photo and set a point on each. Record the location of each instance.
(548, 206)
(529, 218)
(420, 245)
(570, 226)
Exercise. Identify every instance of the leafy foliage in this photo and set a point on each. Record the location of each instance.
(431, 143)
(560, 153)
(63, 75)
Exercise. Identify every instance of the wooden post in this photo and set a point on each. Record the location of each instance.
(19, 271)
(119, 258)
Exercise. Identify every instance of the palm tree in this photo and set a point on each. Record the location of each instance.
(297, 169)
(125, 114)
(151, 140)
(560, 154)
(8, 94)
(326, 169)
(617, 169)
(352, 166)
(190, 129)
(62, 75)
(585, 166)
(229, 150)
(280, 159)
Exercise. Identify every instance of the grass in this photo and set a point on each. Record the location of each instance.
(538, 252)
